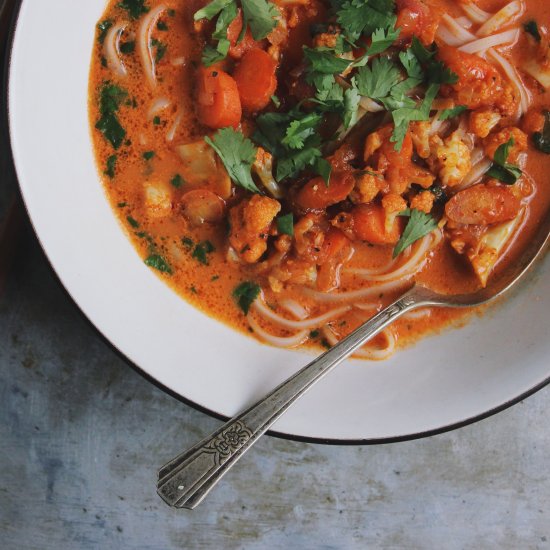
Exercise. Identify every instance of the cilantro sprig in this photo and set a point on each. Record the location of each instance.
(237, 154)
(358, 17)
(501, 169)
(419, 225)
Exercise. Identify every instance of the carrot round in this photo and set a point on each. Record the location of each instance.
(316, 195)
(256, 79)
(369, 221)
(218, 102)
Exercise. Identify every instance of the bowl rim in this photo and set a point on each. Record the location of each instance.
(7, 130)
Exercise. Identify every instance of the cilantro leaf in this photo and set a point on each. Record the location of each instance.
(245, 294)
(450, 113)
(324, 169)
(502, 170)
(351, 105)
(324, 61)
(135, 8)
(211, 10)
(382, 39)
(376, 81)
(436, 71)
(110, 166)
(103, 27)
(110, 99)
(285, 224)
(419, 225)
(542, 139)
(177, 181)
(532, 28)
(411, 64)
(237, 154)
(261, 17)
(357, 17)
(300, 129)
(212, 55)
(159, 263)
(202, 250)
(291, 165)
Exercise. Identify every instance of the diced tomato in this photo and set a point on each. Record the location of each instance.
(317, 195)
(414, 18)
(237, 50)
(256, 79)
(483, 205)
(369, 224)
(218, 102)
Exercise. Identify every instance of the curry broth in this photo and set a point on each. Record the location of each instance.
(209, 287)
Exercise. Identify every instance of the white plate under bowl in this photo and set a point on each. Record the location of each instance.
(442, 382)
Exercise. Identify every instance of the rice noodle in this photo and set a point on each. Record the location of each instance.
(111, 49)
(359, 294)
(412, 265)
(144, 44)
(157, 106)
(515, 80)
(475, 13)
(448, 37)
(506, 15)
(293, 307)
(464, 21)
(459, 32)
(493, 41)
(313, 322)
(369, 353)
(170, 134)
(278, 341)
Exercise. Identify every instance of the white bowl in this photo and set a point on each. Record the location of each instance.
(444, 381)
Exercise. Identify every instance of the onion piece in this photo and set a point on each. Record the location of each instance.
(369, 105)
(293, 307)
(144, 44)
(506, 15)
(511, 73)
(157, 106)
(171, 133)
(500, 39)
(475, 13)
(475, 174)
(464, 21)
(359, 294)
(111, 49)
(260, 306)
(277, 341)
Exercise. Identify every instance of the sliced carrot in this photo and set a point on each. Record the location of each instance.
(369, 224)
(218, 102)
(256, 79)
(238, 49)
(334, 246)
(483, 205)
(316, 195)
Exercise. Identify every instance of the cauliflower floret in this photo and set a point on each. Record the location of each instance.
(367, 186)
(424, 201)
(250, 223)
(328, 39)
(450, 159)
(483, 121)
(158, 198)
(263, 168)
(373, 142)
(392, 204)
(420, 134)
(493, 142)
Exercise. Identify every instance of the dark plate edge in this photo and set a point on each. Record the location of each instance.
(303, 439)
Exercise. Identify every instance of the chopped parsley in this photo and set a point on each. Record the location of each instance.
(148, 155)
(135, 8)
(285, 224)
(237, 154)
(501, 169)
(159, 263)
(542, 139)
(162, 26)
(419, 225)
(156, 120)
(202, 250)
(110, 166)
(133, 222)
(532, 28)
(160, 49)
(122, 204)
(314, 334)
(127, 47)
(110, 99)
(245, 294)
(187, 242)
(276, 101)
(177, 181)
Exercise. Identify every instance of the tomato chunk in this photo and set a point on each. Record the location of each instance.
(256, 79)
(369, 224)
(238, 49)
(483, 205)
(316, 195)
(218, 102)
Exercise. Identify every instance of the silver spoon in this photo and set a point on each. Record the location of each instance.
(186, 480)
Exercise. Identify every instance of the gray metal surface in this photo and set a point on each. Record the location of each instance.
(81, 435)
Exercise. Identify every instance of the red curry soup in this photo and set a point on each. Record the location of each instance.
(290, 166)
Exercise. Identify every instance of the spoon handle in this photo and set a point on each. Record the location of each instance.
(186, 480)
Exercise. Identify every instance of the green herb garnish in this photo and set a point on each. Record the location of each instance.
(135, 8)
(159, 263)
(501, 169)
(285, 224)
(542, 139)
(202, 250)
(419, 225)
(245, 294)
(111, 97)
(110, 166)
